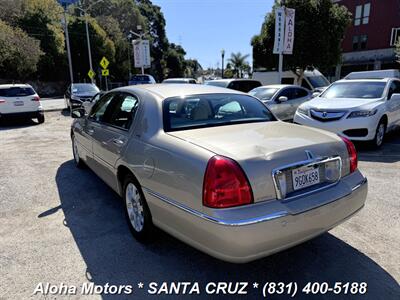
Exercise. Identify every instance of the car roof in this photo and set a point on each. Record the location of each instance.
(174, 90)
(277, 86)
(232, 79)
(181, 78)
(5, 86)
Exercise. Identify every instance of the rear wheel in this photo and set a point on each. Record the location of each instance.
(379, 134)
(137, 211)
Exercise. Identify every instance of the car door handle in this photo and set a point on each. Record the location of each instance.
(118, 142)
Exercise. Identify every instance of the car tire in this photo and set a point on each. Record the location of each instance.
(136, 210)
(75, 151)
(40, 119)
(377, 142)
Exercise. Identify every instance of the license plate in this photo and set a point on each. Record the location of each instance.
(305, 177)
(18, 103)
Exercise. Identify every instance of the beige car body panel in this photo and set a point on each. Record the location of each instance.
(170, 168)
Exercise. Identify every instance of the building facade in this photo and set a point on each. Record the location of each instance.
(369, 41)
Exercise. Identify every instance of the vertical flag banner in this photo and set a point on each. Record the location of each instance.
(289, 31)
(279, 30)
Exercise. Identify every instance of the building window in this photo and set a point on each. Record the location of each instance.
(394, 37)
(360, 42)
(362, 14)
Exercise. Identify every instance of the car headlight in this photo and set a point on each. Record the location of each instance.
(302, 110)
(362, 113)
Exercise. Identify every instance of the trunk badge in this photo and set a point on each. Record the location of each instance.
(309, 154)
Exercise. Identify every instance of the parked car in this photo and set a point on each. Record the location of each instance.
(20, 100)
(78, 93)
(312, 80)
(142, 79)
(361, 110)
(180, 80)
(282, 99)
(215, 168)
(242, 85)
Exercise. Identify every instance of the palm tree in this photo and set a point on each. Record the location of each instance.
(238, 62)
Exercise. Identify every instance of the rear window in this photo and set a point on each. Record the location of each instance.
(140, 78)
(217, 83)
(200, 111)
(244, 85)
(17, 92)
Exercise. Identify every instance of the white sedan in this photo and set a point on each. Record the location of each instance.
(361, 110)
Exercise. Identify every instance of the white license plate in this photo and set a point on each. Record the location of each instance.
(305, 177)
(18, 103)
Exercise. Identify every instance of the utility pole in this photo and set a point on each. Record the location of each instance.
(129, 56)
(71, 74)
(140, 36)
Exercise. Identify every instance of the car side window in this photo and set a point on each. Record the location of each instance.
(300, 93)
(125, 108)
(288, 92)
(98, 112)
(394, 88)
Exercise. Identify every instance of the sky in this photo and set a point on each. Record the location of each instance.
(205, 27)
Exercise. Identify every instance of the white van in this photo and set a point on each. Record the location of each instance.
(312, 80)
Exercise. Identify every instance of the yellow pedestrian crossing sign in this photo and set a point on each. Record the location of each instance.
(91, 74)
(104, 63)
(105, 72)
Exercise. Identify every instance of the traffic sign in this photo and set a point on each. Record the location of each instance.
(105, 72)
(104, 62)
(91, 74)
(141, 53)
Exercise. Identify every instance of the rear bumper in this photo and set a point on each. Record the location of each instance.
(342, 125)
(26, 114)
(230, 236)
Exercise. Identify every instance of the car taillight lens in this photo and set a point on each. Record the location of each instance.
(352, 154)
(36, 98)
(225, 184)
(2, 101)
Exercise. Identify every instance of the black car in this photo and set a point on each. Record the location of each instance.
(77, 93)
(242, 85)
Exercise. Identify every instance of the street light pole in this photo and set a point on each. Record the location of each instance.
(129, 56)
(222, 62)
(71, 74)
(140, 36)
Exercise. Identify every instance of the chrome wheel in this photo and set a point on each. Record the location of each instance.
(134, 207)
(380, 133)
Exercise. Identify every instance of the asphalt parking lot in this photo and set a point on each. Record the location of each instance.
(59, 224)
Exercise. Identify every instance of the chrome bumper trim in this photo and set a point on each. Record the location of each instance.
(217, 220)
(360, 184)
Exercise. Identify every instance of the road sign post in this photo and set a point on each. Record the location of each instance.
(105, 72)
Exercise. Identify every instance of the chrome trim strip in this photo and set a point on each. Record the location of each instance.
(215, 220)
(360, 184)
(305, 163)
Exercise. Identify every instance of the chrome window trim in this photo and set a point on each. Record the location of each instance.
(305, 163)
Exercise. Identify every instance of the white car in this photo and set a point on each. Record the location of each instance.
(20, 100)
(361, 110)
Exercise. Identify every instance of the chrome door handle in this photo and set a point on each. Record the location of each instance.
(118, 142)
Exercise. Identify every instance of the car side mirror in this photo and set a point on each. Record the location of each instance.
(78, 113)
(394, 96)
(282, 99)
(316, 94)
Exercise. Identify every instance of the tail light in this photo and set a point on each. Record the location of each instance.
(2, 101)
(36, 98)
(352, 154)
(225, 184)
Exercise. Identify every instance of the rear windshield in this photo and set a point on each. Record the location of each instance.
(140, 78)
(217, 83)
(263, 93)
(16, 92)
(199, 111)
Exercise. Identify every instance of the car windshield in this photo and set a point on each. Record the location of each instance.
(199, 111)
(362, 90)
(318, 81)
(16, 92)
(84, 88)
(263, 93)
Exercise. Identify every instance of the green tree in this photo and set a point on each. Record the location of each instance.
(238, 63)
(319, 29)
(41, 19)
(100, 43)
(175, 60)
(10, 11)
(19, 53)
(193, 68)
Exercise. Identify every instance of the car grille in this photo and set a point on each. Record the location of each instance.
(85, 98)
(326, 116)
